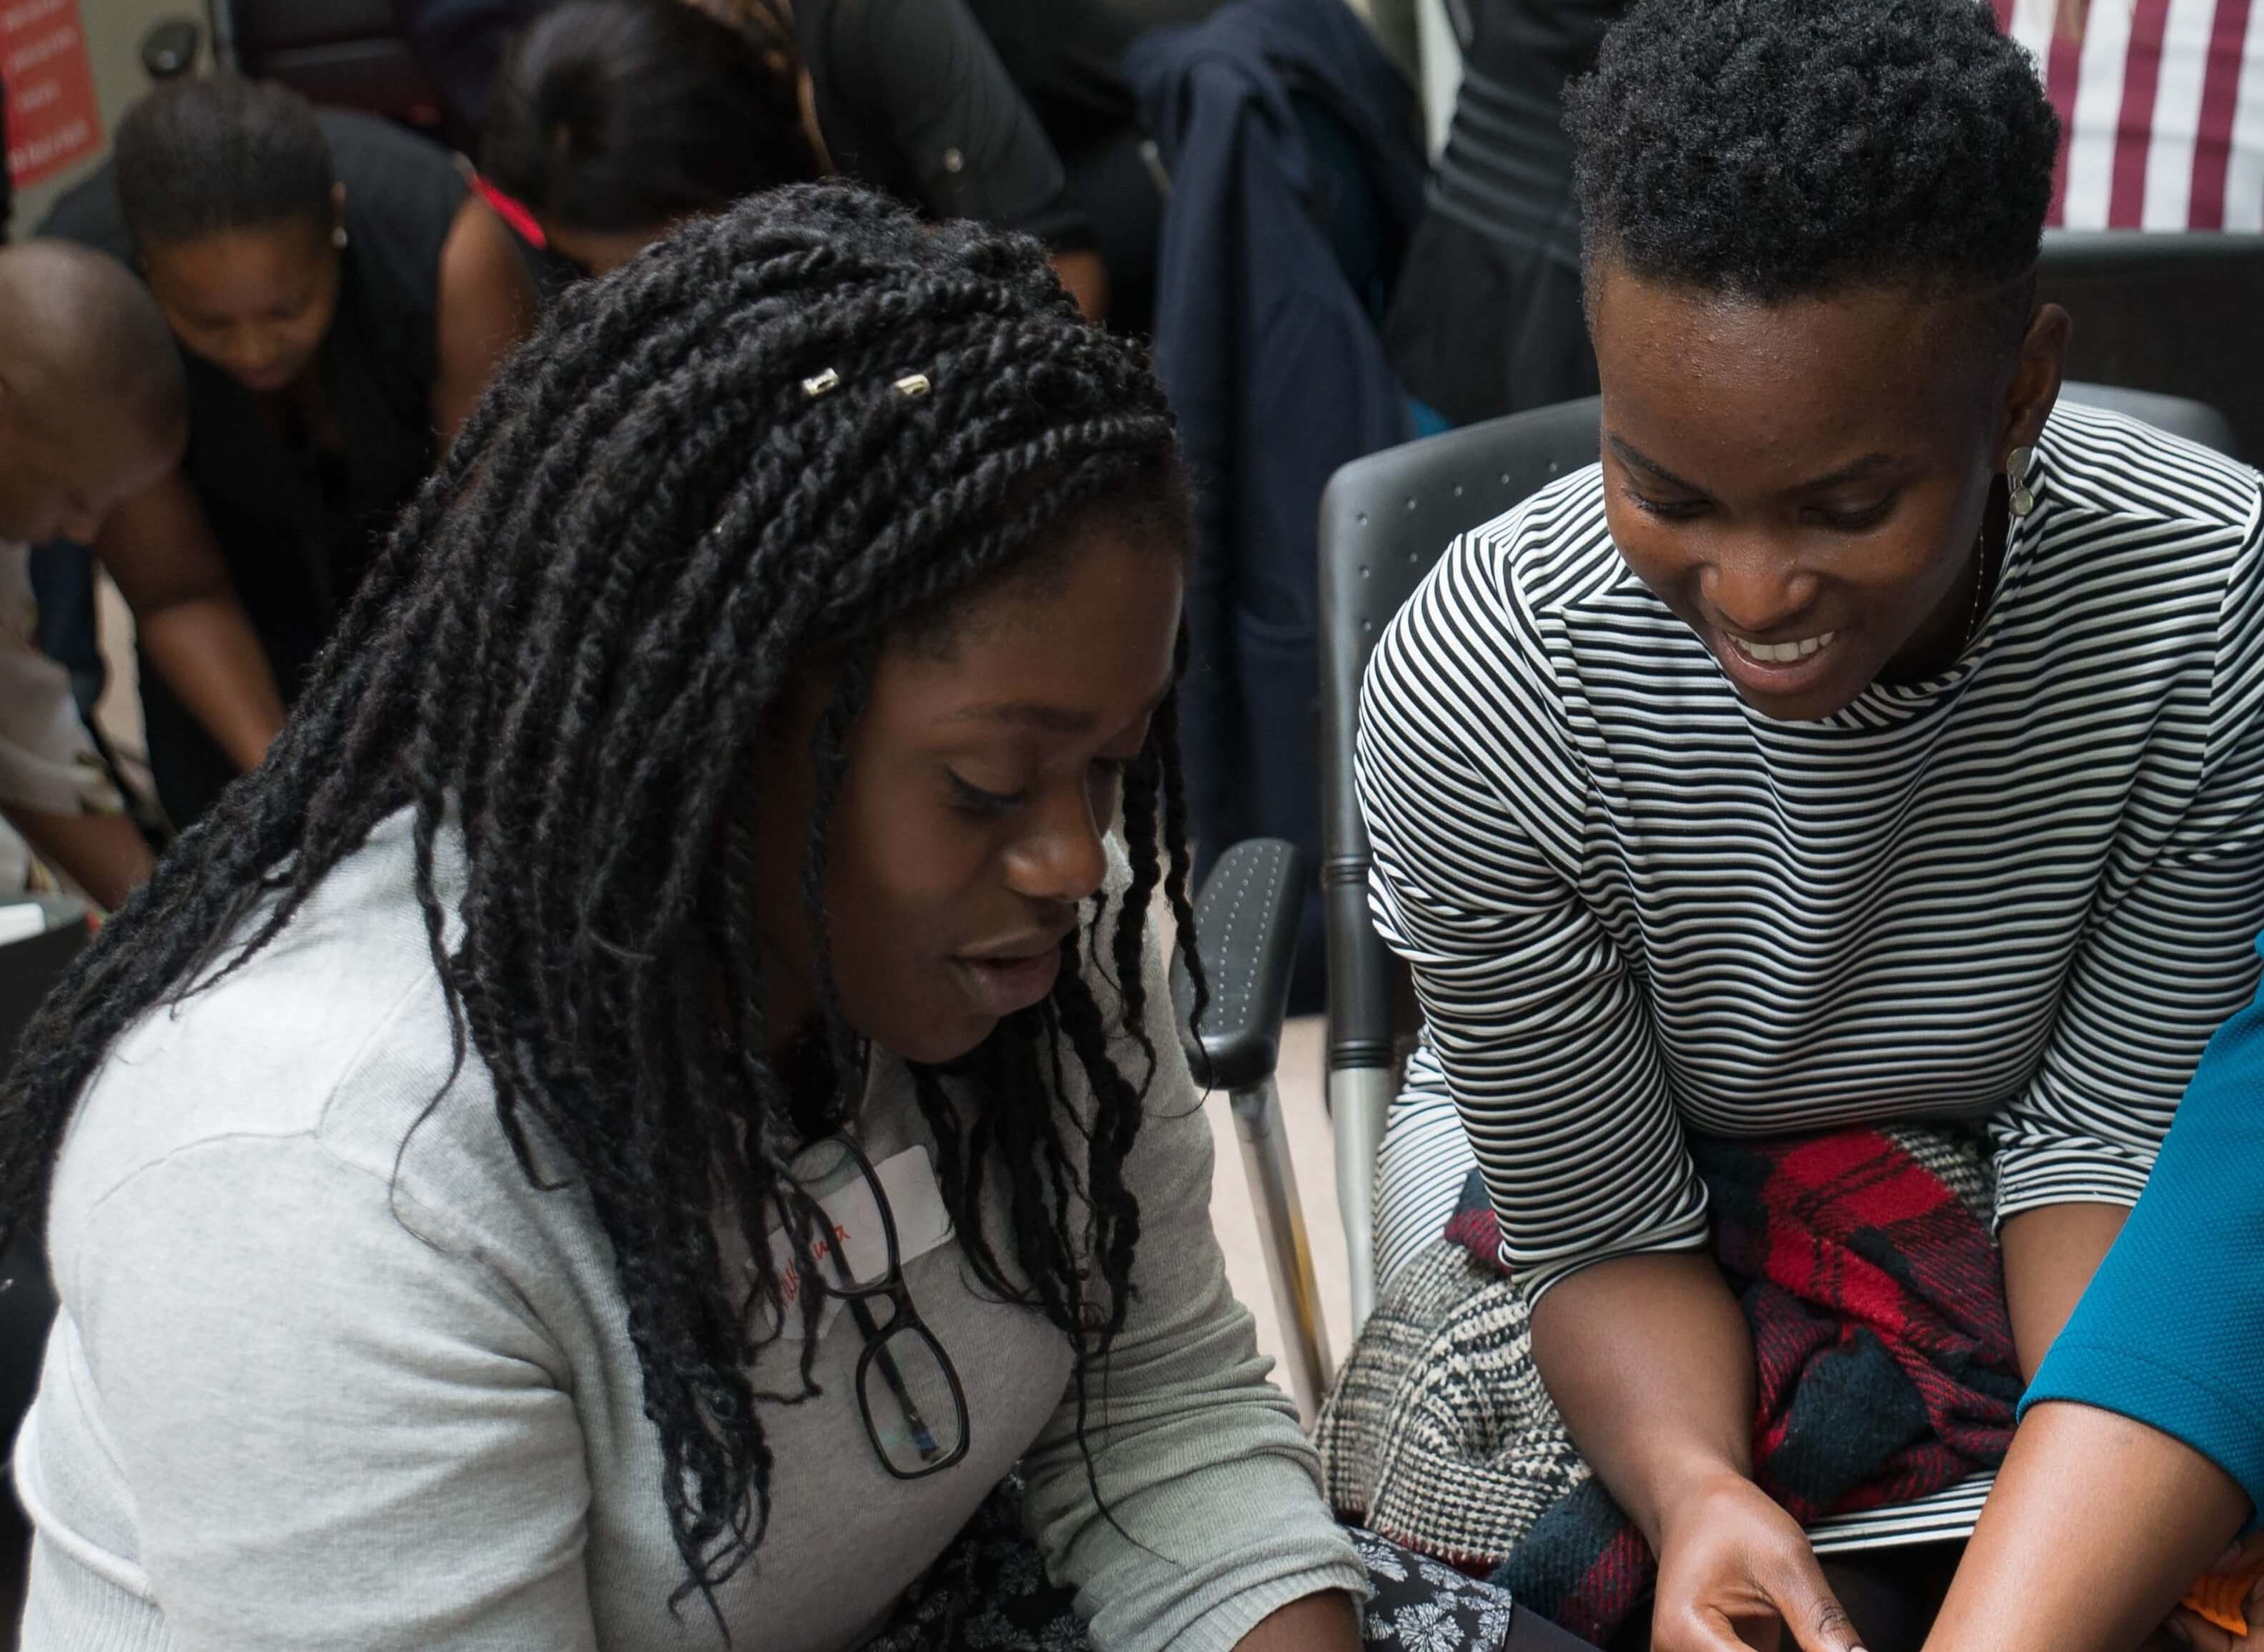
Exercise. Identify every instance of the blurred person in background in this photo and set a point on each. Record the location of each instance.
(1486, 318)
(612, 120)
(91, 413)
(1066, 57)
(340, 297)
(461, 42)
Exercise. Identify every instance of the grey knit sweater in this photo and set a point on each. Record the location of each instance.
(329, 1373)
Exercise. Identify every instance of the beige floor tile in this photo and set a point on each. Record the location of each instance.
(1313, 1153)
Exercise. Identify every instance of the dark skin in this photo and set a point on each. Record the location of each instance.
(67, 460)
(972, 819)
(1820, 472)
(2095, 1528)
(259, 303)
(981, 779)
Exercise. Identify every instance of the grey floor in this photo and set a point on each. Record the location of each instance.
(1314, 1154)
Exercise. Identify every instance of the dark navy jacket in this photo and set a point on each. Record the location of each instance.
(1296, 176)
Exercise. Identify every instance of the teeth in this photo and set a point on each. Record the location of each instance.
(1782, 653)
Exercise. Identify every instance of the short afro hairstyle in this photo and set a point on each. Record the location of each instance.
(1771, 149)
(221, 152)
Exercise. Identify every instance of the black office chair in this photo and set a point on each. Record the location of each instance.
(337, 54)
(1385, 520)
(2174, 313)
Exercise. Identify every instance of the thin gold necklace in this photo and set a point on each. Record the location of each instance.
(1980, 580)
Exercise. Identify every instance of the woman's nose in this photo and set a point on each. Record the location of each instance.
(1064, 857)
(253, 350)
(1754, 589)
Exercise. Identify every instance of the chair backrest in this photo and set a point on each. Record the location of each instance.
(2195, 421)
(2174, 313)
(1385, 520)
(337, 54)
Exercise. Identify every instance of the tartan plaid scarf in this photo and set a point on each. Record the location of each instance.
(1884, 1356)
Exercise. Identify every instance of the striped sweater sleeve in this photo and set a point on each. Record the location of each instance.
(1474, 805)
(2165, 958)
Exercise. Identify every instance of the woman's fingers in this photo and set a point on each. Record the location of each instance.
(2243, 1559)
(1746, 1579)
(2241, 1555)
(1810, 1610)
(1712, 1631)
(2191, 1629)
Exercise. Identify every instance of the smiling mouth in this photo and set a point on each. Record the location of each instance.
(1781, 653)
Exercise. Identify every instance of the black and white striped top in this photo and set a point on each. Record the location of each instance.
(2025, 888)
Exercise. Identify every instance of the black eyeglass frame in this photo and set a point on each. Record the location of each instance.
(903, 1318)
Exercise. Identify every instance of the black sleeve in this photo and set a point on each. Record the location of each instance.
(403, 195)
(88, 214)
(1066, 58)
(923, 71)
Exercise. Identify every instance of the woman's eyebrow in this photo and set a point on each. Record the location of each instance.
(1855, 470)
(1633, 455)
(1059, 720)
(1042, 714)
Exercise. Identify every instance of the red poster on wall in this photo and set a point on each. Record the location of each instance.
(53, 119)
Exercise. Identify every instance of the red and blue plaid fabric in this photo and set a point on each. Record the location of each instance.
(1882, 1347)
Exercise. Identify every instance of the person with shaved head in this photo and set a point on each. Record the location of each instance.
(90, 412)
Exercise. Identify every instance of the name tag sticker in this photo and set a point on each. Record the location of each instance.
(852, 1226)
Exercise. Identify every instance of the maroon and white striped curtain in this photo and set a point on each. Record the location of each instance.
(2163, 102)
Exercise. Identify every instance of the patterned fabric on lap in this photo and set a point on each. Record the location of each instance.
(988, 1592)
(1863, 1262)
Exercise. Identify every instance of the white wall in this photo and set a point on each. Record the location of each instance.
(114, 29)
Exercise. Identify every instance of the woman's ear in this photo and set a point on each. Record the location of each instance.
(339, 207)
(2035, 388)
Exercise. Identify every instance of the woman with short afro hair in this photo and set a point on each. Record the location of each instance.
(1868, 739)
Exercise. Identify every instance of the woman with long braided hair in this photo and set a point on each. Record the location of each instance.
(653, 1102)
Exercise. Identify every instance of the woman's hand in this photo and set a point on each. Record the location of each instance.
(1735, 1570)
(2194, 1630)
(1651, 1361)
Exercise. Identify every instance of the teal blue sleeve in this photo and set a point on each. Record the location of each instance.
(2171, 1332)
